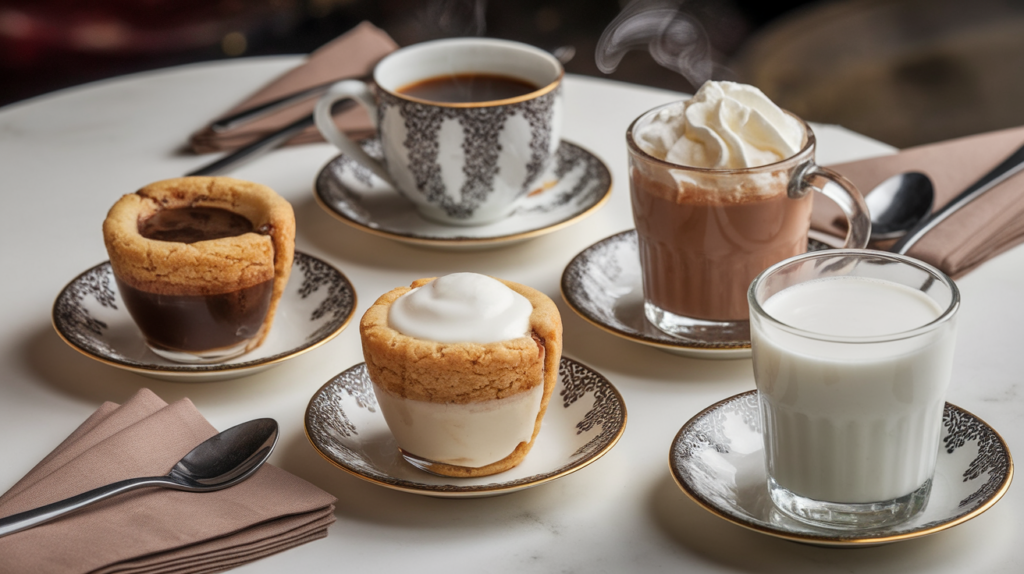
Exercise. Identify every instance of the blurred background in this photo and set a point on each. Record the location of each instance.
(902, 71)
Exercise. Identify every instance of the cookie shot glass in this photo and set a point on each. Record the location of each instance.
(463, 367)
(201, 263)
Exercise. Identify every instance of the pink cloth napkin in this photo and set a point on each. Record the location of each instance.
(351, 55)
(153, 530)
(983, 229)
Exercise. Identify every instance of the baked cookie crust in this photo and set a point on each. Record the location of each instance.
(205, 267)
(462, 373)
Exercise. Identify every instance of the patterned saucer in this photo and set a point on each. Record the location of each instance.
(717, 459)
(575, 185)
(317, 305)
(584, 420)
(603, 285)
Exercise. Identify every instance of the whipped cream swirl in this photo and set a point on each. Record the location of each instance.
(462, 308)
(726, 125)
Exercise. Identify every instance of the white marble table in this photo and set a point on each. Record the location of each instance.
(66, 157)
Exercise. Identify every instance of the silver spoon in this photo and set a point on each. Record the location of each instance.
(1008, 167)
(221, 461)
(899, 203)
(263, 145)
(245, 116)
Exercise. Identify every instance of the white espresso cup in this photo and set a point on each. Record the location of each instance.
(460, 163)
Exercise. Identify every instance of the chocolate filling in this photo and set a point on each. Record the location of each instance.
(540, 342)
(198, 322)
(192, 224)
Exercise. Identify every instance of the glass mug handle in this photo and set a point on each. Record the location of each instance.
(360, 93)
(843, 193)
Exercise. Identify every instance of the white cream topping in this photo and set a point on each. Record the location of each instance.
(726, 125)
(473, 434)
(462, 308)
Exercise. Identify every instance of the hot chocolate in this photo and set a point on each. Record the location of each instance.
(699, 252)
(720, 186)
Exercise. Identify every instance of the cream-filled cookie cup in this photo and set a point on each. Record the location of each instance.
(438, 396)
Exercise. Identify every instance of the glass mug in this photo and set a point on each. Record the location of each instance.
(704, 234)
(852, 352)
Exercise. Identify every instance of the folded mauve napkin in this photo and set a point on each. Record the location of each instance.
(983, 229)
(154, 530)
(351, 55)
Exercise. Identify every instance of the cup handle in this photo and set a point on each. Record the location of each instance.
(360, 93)
(844, 194)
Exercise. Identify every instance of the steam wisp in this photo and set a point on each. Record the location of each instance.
(458, 17)
(676, 40)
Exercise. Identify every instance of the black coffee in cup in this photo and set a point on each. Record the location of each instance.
(468, 88)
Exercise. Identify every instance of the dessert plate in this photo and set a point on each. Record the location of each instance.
(317, 305)
(585, 418)
(603, 285)
(575, 185)
(717, 459)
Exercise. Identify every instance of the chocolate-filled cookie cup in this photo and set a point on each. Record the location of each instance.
(201, 263)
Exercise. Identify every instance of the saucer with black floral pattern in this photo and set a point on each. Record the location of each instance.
(575, 185)
(603, 285)
(585, 418)
(317, 305)
(718, 460)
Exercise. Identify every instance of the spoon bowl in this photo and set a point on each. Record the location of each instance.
(227, 458)
(220, 461)
(897, 204)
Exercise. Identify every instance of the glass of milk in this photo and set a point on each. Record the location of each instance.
(852, 355)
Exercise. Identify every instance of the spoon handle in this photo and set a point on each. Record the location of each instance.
(254, 150)
(259, 147)
(1001, 172)
(247, 115)
(562, 53)
(36, 516)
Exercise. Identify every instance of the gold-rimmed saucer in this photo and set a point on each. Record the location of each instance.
(717, 459)
(584, 420)
(316, 306)
(574, 186)
(603, 285)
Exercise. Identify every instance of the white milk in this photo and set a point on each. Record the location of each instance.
(846, 422)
